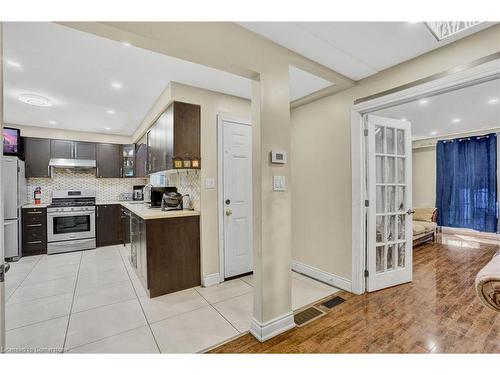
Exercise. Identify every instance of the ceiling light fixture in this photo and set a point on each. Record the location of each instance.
(107, 128)
(52, 122)
(423, 101)
(110, 112)
(456, 120)
(127, 44)
(404, 119)
(34, 99)
(116, 85)
(446, 29)
(14, 64)
(493, 101)
(433, 133)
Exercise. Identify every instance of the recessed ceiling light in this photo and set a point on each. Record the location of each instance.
(493, 101)
(14, 64)
(404, 119)
(107, 128)
(456, 120)
(110, 112)
(116, 85)
(423, 101)
(127, 44)
(433, 133)
(34, 99)
(52, 122)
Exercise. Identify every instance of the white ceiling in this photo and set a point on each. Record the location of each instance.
(469, 104)
(75, 71)
(355, 49)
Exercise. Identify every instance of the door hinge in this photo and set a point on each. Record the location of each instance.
(367, 273)
(367, 203)
(365, 132)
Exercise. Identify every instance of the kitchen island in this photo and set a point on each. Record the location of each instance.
(164, 247)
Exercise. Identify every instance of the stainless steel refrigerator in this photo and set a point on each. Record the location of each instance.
(14, 196)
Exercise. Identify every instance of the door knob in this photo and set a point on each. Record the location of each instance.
(410, 211)
(229, 212)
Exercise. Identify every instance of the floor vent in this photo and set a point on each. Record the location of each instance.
(307, 315)
(331, 303)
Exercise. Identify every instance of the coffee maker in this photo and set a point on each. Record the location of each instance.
(138, 193)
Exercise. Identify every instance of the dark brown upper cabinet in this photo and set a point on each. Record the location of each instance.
(108, 160)
(84, 150)
(127, 160)
(187, 135)
(37, 157)
(175, 134)
(141, 155)
(61, 149)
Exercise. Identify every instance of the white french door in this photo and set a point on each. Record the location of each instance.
(237, 197)
(389, 182)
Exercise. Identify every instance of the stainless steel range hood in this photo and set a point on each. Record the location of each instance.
(72, 163)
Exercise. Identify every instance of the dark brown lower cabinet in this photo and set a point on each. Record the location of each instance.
(34, 224)
(166, 253)
(108, 225)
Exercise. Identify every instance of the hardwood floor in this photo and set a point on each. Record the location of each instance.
(437, 313)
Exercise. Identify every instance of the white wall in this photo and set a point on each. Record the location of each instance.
(424, 176)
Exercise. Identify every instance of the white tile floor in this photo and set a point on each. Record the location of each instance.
(92, 302)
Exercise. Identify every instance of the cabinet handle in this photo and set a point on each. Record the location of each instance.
(34, 225)
(33, 242)
(97, 172)
(48, 170)
(34, 212)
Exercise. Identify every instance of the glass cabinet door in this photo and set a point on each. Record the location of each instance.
(128, 160)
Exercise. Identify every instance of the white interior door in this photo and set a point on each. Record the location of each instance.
(389, 182)
(237, 197)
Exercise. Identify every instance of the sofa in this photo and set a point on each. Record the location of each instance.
(424, 225)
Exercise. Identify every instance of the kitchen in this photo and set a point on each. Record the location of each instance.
(76, 220)
(115, 243)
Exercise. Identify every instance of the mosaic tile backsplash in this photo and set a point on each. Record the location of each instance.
(187, 182)
(107, 189)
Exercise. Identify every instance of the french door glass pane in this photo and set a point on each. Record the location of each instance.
(391, 230)
(389, 136)
(391, 199)
(401, 254)
(379, 259)
(379, 161)
(401, 198)
(401, 170)
(401, 142)
(401, 227)
(390, 170)
(380, 229)
(390, 257)
(379, 139)
(380, 199)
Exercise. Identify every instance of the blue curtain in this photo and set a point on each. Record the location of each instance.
(466, 183)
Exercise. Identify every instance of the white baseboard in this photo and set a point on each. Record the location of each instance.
(470, 232)
(209, 280)
(271, 328)
(327, 278)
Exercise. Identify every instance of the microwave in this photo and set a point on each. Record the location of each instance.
(157, 194)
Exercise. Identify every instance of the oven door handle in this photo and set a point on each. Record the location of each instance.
(72, 213)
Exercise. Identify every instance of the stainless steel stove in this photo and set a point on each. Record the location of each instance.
(71, 221)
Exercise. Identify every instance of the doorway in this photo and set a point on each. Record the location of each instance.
(364, 220)
(235, 197)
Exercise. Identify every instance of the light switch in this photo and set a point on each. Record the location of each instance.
(279, 183)
(210, 183)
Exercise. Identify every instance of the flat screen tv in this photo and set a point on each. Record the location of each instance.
(11, 141)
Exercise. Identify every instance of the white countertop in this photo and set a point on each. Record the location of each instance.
(32, 205)
(148, 213)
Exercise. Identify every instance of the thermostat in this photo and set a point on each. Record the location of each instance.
(278, 157)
